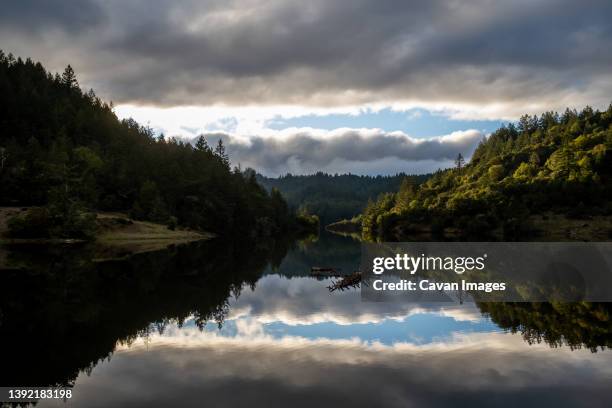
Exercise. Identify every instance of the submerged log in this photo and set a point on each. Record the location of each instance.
(320, 276)
(325, 272)
(320, 269)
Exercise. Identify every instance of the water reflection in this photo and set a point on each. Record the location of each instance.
(61, 312)
(304, 307)
(235, 324)
(199, 369)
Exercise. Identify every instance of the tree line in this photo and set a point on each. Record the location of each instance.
(552, 163)
(65, 151)
(333, 197)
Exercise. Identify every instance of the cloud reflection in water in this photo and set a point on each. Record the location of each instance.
(261, 358)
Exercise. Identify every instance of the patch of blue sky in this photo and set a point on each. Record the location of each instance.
(415, 122)
(422, 328)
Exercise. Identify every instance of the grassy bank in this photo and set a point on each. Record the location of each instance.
(113, 230)
(119, 235)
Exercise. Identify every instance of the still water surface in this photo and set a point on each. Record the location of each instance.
(206, 325)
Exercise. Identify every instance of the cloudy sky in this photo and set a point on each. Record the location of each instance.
(343, 85)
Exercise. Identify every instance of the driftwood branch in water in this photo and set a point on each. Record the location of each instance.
(347, 282)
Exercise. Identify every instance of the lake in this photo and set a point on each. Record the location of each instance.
(233, 324)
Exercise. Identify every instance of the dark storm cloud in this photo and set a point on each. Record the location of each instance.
(521, 53)
(36, 16)
(310, 150)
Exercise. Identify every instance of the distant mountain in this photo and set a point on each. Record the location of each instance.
(334, 197)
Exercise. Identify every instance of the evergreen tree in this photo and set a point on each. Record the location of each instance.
(202, 144)
(69, 78)
(459, 161)
(221, 154)
(406, 193)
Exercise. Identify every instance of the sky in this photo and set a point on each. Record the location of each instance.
(368, 87)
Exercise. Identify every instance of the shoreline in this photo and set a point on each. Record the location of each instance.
(114, 230)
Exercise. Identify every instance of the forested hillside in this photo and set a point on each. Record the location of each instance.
(333, 197)
(65, 150)
(548, 164)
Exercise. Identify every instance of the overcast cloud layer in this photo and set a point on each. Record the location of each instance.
(499, 369)
(519, 55)
(251, 61)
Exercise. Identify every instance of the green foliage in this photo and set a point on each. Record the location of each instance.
(377, 213)
(308, 222)
(524, 172)
(56, 222)
(406, 193)
(496, 172)
(559, 163)
(65, 149)
(69, 218)
(562, 164)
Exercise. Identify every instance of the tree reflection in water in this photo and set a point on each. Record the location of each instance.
(576, 325)
(61, 312)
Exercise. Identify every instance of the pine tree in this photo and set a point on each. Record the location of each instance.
(459, 161)
(406, 192)
(561, 163)
(202, 144)
(69, 78)
(221, 154)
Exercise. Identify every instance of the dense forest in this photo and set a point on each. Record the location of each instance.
(333, 197)
(65, 152)
(548, 164)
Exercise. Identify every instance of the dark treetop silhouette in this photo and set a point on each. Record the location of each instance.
(65, 150)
